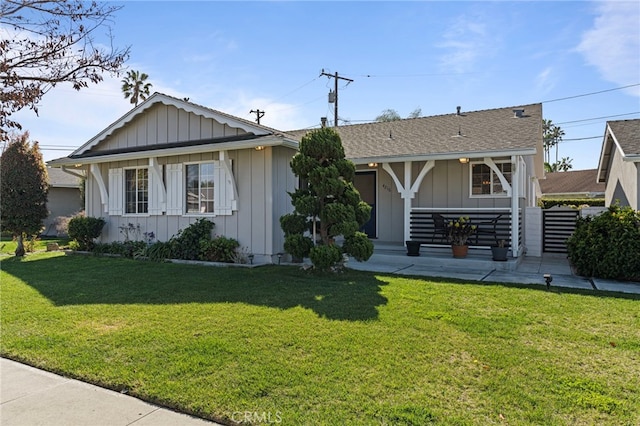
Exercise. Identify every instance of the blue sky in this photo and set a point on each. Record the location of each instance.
(239, 56)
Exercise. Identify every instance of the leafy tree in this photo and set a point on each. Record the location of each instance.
(559, 166)
(328, 199)
(388, 115)
(392, 115)
(23, 189)
(48, 42)
(134, 86)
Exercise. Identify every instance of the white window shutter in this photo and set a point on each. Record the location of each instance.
(116, 191)
(175, 190)
(156, 195)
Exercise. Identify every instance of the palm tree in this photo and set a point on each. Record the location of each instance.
(134, 86)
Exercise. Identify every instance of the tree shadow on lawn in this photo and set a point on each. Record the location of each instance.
(78, 280)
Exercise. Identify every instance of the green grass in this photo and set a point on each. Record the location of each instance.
(352, 348)
(8, 245)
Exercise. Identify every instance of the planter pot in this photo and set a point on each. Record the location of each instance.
(413, 248)
(459, 252)
(499, 253)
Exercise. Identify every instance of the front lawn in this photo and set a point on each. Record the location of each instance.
(304, 348)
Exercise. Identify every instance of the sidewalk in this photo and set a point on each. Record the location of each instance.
(32, 397)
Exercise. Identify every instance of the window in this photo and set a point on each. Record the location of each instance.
(199, 194)
(137, 191)
(484, 181)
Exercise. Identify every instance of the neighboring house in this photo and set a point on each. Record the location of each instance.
(64, 200)
(572, 184)
(483, 164)
(168, 162)
(619, 166)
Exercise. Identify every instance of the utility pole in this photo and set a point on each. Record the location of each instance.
(259, 114)
(336, 77)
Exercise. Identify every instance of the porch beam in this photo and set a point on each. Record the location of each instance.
(515, 204)
(503, 181)
(104, 195)
(408, 190)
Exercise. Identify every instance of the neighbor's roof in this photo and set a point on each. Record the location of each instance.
(61, 179)
(471, 134)
(573, 181)
(623, 135)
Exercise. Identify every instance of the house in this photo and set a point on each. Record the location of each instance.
(481, 164)
(64, 200)
(168, 162)
(619, 165)
(572, 184)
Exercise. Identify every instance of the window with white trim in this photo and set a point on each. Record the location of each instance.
(200, 188)
(484, 180)
(136, 191)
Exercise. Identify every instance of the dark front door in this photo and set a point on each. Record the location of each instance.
(365, 183)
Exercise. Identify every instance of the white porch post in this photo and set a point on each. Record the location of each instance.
(104, 194)
(408, 191)
(515, 204)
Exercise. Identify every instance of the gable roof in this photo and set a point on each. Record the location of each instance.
(472, 134)
(623, 135)
(255, 135)
(570, 182)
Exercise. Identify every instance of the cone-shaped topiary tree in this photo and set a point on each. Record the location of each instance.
(326, 195)
(23, 189)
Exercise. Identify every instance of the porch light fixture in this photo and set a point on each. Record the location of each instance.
(259, 148)
(373, 165)
(463, 160)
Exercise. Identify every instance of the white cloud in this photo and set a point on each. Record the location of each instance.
(545, 81)
(465, 43)
(612, 45)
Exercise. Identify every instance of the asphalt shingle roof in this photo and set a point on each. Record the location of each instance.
(627, 133)
(578, 181)
(493, 130)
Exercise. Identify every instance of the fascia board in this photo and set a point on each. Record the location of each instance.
(227, 146)
(445, 156)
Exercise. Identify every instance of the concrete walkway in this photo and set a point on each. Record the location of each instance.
(32, 397)
(478, 266)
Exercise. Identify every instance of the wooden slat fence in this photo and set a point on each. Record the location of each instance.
(557, 225)
(423, 226)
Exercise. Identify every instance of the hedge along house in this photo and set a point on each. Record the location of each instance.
(169, 162)
(416, 172)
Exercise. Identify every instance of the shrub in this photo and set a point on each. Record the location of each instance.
(84, 230)
(297, 245)
(607, 245)
(547, 203)
(126, 249)
(324, 257)
(219, 249)
(359, 246)
(159, 251)
(186, 245)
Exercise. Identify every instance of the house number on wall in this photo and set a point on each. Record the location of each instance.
(385, 186)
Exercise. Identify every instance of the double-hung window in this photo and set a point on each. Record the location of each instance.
(199, 190)
(137, 191)
(484, 181)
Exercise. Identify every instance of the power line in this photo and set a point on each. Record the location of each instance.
(599, 118)
(589, 94)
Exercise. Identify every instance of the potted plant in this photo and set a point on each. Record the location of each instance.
(499, 251)
(413, 248)
(458, 232)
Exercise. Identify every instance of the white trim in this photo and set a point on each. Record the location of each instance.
(185, 178)
(124, 191)
(176, 151)
(472, 155)
(515, 218)
(489, 162)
